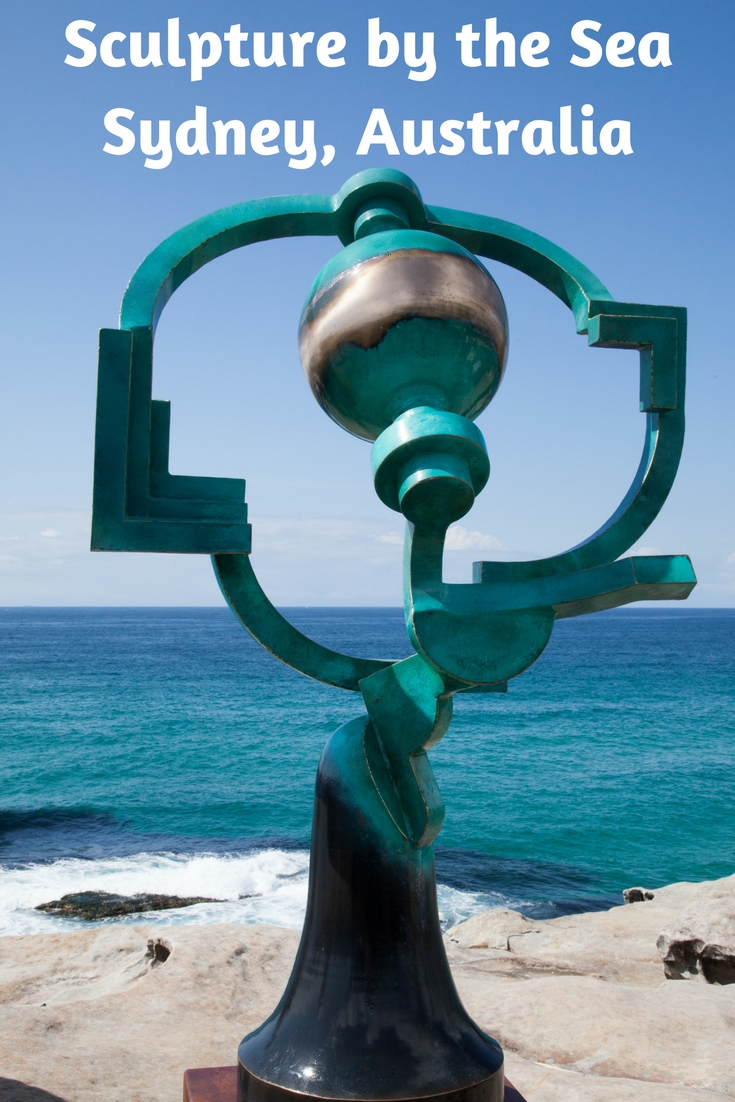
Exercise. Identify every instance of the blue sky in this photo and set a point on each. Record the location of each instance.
(563, 433)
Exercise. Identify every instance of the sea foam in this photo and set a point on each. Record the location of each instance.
(265, 885)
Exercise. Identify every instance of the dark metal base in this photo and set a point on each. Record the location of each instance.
(220, 1085)
(256, 1090)
(370, 1011)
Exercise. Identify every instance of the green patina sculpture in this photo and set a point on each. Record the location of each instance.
(403, 340)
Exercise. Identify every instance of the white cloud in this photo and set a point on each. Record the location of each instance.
(462, 539)
(298, 560)
(61, 570)
(320, 537)
(328, 560)
(647, 551)
(458, 539)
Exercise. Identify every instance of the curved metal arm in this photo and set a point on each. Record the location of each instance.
(190, 248)
(243, 593)
(658, 332)
(537, 257)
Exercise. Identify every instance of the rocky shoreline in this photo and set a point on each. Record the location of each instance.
(637, 1002)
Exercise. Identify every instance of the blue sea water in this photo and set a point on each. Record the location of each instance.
(163, 750)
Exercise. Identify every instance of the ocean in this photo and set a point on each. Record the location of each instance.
(161, 750)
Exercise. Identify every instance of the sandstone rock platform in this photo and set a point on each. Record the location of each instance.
(581, 1004)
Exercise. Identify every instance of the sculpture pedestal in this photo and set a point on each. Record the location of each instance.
(220, 1085)
(370, 1011)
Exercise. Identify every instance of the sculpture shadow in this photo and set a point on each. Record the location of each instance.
(12, 1090)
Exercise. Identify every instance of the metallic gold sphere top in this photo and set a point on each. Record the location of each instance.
(399, 319)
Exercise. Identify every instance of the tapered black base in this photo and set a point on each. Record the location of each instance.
(370, 1011)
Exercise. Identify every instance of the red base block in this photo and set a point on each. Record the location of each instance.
(210, 1084)
(220, 1085)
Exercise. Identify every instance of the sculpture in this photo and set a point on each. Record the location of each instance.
(403, 341)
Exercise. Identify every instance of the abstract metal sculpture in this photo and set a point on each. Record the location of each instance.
(403, 340)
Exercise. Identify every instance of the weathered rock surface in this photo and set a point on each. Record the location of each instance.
(491, 930)
(587, 996)
(580, 1005)
(700, 943)
(619, 944)
(89, 1016)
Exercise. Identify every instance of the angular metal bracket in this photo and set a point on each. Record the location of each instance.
(138, 505)
(655, 332)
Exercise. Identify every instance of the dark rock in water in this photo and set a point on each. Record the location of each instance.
(91, 905)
